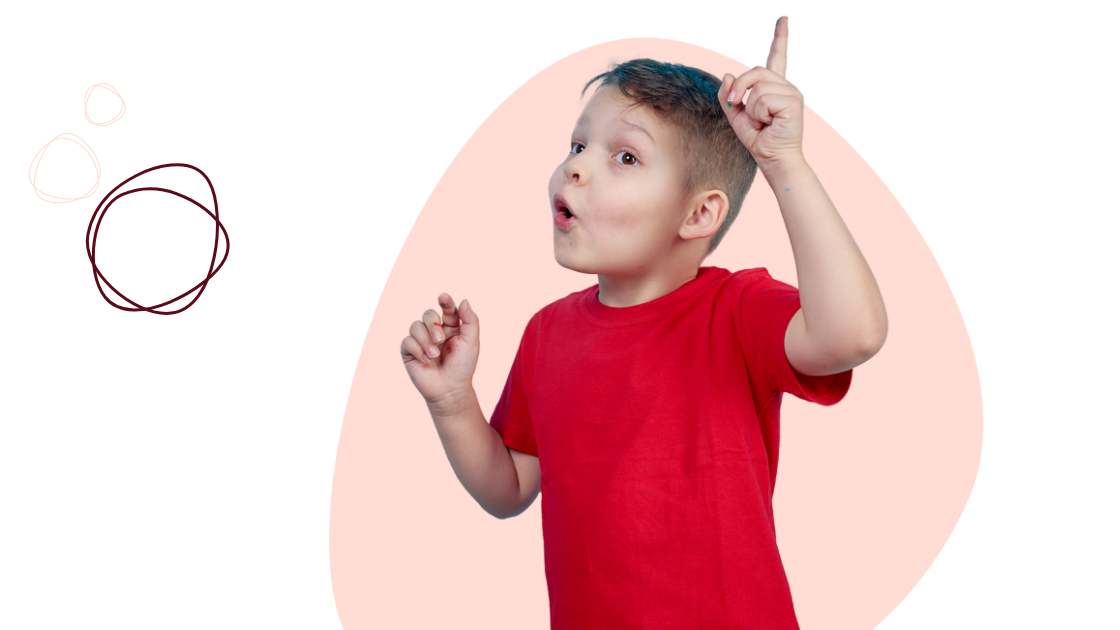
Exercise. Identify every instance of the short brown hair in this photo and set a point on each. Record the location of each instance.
(688, 98)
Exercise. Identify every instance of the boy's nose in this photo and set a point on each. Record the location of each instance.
(572, 171)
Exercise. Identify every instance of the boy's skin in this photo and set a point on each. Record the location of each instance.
(645, 237)
(633, 230)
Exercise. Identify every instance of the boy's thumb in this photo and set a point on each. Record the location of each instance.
(468, 323)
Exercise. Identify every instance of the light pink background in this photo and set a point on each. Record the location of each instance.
(868, 491)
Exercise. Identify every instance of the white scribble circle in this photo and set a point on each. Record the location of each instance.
(38, 158)
(85, 104)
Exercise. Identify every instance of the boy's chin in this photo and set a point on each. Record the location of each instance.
(569, 266)
(574, 265)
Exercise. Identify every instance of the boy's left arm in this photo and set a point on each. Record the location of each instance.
(842, 321)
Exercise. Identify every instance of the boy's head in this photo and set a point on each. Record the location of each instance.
(655, 172)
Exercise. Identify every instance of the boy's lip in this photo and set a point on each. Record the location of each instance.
(558, 202)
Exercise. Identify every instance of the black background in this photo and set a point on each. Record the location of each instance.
(187, 452)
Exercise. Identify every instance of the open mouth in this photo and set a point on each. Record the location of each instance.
(562, 206)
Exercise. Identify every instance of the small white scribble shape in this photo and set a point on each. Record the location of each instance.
(85, 104)
(38, 158)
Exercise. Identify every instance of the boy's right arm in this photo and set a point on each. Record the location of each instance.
(505, 482)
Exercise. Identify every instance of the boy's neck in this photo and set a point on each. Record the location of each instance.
(623, 291)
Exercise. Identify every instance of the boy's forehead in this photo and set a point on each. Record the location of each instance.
(610, 103)
(609, 106)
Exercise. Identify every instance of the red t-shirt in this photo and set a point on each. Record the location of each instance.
(656, 426)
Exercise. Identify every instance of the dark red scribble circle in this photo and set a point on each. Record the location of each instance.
(103, 208)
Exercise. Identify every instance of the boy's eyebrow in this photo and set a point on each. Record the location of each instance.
(622, 123)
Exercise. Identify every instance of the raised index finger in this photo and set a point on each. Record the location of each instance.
(777, 59)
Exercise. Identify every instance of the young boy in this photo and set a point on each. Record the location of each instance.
(645, 408)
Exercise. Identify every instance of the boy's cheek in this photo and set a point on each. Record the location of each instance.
(556, 181)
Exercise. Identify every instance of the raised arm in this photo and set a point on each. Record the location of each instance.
(842, 321)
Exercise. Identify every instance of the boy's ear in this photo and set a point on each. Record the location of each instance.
(707, 211)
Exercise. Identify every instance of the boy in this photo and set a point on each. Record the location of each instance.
(645, 408)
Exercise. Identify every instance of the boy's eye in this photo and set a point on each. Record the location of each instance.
(628, 158)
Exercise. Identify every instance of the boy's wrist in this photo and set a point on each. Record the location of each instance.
(454, 403)
(782, 168)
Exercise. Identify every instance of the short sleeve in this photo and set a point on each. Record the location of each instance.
(767, 307)
(511, 415)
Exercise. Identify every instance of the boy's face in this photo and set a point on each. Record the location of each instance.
(623, 185)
